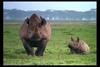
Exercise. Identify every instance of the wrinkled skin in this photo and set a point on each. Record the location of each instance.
(78, 46)
(35, 32)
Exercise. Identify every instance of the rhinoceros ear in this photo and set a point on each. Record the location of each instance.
(43, 21)
(78, 39)
(27, 20)
(72, 39)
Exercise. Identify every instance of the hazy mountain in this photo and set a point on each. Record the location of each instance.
(15, 14)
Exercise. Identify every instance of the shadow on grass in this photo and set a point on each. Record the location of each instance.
(6, 32)
(12, 56)
(93, 52)
(20, 51)
(15, 54)
(69, 53)
(68, 33)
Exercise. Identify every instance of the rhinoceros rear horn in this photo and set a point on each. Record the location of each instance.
(43, 21)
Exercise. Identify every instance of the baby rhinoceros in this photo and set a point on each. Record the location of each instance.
(78, 46)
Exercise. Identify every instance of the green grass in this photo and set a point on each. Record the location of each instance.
(57, 52)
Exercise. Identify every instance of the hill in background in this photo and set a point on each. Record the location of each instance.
(15, 14)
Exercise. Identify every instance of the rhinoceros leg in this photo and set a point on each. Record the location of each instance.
(40, 50)
(27, 47)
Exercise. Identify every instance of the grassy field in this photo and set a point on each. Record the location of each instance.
(57, 52)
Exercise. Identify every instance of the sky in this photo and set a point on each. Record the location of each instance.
(58, 5)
